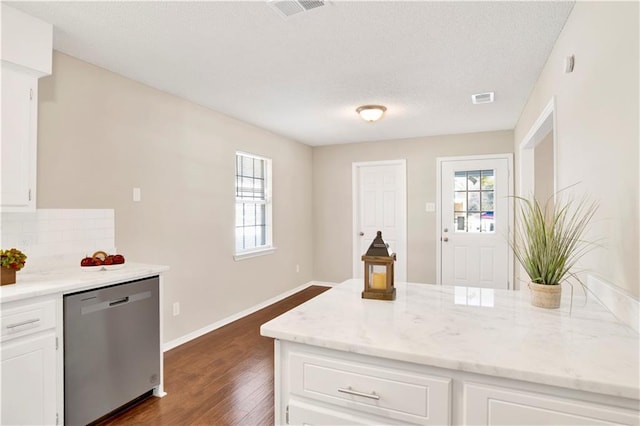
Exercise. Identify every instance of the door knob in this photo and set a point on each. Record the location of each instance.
(445, 239)
(361, 234)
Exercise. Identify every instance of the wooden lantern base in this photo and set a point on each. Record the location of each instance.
(7, 276)
(379, 294)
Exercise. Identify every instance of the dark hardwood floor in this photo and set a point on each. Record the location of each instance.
(222, 378)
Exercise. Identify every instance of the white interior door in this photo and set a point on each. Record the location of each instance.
(379, 204)
(474, 221)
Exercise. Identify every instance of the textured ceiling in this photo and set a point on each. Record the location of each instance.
(304, 76)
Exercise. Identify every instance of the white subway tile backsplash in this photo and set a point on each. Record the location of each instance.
(103, 223)
(12, 227)
(49, 235)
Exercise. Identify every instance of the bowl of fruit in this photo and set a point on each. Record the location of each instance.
(101, 261)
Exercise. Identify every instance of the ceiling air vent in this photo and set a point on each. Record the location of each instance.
(288, 8)
(482, 98)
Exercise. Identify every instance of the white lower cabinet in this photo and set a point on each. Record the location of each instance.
(319, 386)
(494, 405)
(322, 389)
(29, 364)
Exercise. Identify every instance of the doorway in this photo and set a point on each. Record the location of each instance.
(380, 204)
(538, 153)
(474, 216)
(538, 162)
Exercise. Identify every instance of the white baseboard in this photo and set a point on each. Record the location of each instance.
(623, 306)
(323, 283)
(204, 330)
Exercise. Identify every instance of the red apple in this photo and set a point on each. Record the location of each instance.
(118, 259)
(108, 260)
(87, 261)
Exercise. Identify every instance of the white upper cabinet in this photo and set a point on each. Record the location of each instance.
(26, 56)
(19, 140)
(27, 42)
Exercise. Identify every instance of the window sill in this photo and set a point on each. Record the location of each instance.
(254, 253)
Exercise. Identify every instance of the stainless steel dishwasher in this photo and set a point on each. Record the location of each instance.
(111, 348)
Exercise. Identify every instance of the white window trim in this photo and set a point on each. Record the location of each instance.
(269, 247)
(248, 254)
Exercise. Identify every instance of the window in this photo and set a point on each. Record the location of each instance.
(473, 201)
(253, 206)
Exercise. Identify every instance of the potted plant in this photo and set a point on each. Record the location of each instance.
(549, 242)
(11, 261)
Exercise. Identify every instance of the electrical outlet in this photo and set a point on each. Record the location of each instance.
(176, 308)
(297, 268)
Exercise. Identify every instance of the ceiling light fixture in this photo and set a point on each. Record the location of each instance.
(371, 113)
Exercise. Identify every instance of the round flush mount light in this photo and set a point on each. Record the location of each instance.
(371, 113)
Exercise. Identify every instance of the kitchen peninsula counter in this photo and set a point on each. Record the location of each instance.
(34, 339)
(495, 333)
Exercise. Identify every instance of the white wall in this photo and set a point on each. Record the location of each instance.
(544, 170)
(101, 134)
(597, 128)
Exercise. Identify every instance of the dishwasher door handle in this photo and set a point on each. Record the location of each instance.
(119, 301)
(108, 304)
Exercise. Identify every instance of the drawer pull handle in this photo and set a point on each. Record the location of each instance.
(20, 324)
(356, 393)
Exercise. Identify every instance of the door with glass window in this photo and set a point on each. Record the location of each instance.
(474, 222)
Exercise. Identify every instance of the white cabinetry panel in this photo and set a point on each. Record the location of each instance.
(26, 41)
(29, 363)
(27, 49)
(19, 139)
(493, 405)
(302, 413)
(28, 367)
(391, 394)
(27, 319)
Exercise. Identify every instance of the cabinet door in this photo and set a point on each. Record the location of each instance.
(28, 369)
(19, 139)
(493, 405)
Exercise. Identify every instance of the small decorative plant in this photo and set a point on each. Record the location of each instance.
(549, 242)
(12, 259)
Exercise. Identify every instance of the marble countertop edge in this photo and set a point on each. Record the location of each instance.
(73, 279)
(585, 385)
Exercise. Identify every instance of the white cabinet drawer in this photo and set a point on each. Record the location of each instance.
(399, 395)
(26, 319)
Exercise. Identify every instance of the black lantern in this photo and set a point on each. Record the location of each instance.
(378, 271)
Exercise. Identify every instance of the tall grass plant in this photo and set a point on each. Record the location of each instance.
(549, 238)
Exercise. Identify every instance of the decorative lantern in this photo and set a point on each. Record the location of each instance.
(378, 271)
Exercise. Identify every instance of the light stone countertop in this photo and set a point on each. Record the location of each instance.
(491, 332)
(72, 279)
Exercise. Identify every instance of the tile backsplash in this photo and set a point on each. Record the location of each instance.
(58, 235)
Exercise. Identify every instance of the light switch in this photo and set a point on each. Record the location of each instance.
(430, 207)
(136, 194)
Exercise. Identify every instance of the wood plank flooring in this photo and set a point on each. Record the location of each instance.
(222, 378)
